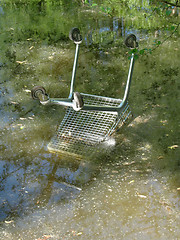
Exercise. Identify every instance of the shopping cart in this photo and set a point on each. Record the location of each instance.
(89, 119)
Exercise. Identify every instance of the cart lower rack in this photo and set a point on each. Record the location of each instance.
(80, 130)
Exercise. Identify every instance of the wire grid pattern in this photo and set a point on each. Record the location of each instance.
(80, 130)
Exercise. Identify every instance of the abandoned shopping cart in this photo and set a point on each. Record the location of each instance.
(89, 119)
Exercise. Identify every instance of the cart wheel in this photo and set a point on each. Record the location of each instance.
(78, 100)
(36, 90)
(131, 41)
(75, 35)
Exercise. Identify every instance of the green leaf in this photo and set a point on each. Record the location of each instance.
(168, 12)
(141, 51)
(134, 50)
(136, 56)
(102, 9)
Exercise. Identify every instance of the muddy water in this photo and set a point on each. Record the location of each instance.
(129, 192)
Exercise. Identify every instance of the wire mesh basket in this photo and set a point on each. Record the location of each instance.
(80, 131)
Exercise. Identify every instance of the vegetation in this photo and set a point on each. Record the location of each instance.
(41, 20)
(46, 22)
(35, 50)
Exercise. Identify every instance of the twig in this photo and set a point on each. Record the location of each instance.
(171, 4)
(167, 37)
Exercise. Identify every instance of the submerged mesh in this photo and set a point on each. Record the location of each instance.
(81, 130)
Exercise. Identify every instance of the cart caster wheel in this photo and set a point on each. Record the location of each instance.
(36, 91)
(131, 41)
(78, 99)
(75, 35)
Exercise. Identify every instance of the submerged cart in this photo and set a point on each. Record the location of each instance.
(89, 119)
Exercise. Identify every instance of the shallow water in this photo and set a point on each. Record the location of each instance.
(130, 191)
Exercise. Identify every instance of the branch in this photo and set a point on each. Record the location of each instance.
(171, 4)
(167, 37)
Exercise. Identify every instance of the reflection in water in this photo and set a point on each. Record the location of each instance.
(128, 191)
(29, 181)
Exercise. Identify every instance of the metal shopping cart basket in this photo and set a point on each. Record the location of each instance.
(89, 119)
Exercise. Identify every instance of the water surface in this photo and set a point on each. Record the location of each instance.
(130, 191)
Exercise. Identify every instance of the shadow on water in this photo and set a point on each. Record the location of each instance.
(129, 191)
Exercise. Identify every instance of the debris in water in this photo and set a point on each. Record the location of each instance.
(141, 196)
(72, 186)
(14, 103)
(21, 62)
(166, 206)
(76, 233)
(8, 222)
(27, 90)
(79, 233)
(45, 237)
(173, 147)
(128, 163)
(163, 122)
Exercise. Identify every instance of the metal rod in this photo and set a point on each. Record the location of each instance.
(61, 101)
(127, 90)
(101, 108)
(69, 103)
(58, 101)
(74, 71)
(125, 98)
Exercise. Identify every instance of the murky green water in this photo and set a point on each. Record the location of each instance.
(132, 190)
